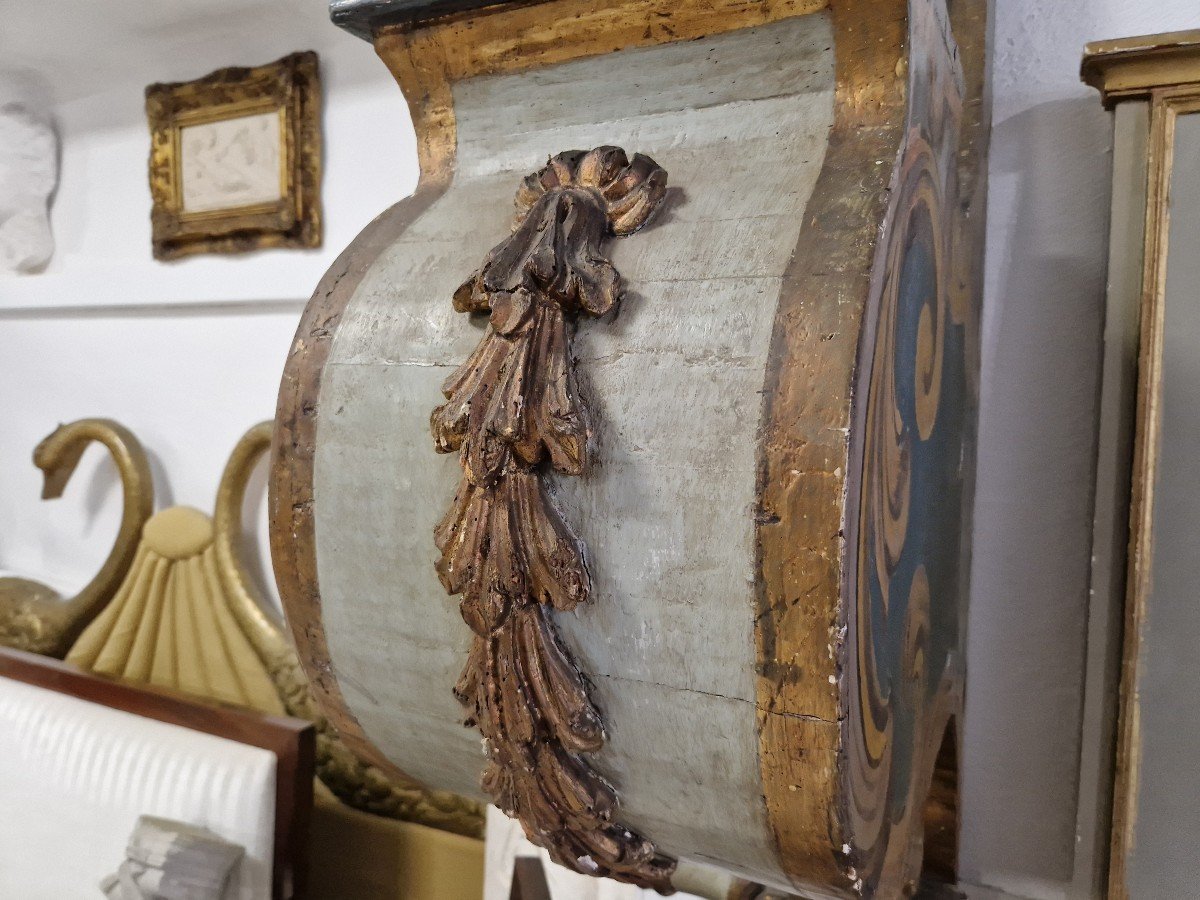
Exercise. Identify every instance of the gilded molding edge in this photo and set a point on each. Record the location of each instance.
(513, 411)
(33, 617)
(428, 57)
(355, 782)
(1162, 70)
(799, 706)
(810, 482)
(1166, 103)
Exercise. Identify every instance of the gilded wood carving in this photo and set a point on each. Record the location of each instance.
(824, 457)
(513, 412)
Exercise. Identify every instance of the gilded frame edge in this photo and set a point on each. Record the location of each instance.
(1166, 104)
(291, 85)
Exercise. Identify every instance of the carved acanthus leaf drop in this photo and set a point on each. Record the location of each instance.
(512, 410)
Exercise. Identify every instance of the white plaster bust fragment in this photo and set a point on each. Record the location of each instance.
(28, 174)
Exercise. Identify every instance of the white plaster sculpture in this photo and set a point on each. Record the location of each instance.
(173, 859)
(28, 175)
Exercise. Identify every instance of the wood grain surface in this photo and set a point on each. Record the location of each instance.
(290, 493)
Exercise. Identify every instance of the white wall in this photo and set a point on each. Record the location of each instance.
(188, 354)
(199, 362)
(1044, 301)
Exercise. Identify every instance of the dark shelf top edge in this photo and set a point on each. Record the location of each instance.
(362, 17)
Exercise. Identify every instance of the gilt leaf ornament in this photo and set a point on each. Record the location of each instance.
(513, 412)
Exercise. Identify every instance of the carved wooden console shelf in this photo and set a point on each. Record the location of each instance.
(696, 568)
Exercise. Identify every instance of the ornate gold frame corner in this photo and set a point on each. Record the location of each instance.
(1134, 68)
(290, 85)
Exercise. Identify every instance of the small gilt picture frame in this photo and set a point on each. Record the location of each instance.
(235, 159)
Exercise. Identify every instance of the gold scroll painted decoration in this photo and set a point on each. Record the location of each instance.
(513, 411)
(907, 537)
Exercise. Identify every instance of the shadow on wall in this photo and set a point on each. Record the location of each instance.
(1042, 327)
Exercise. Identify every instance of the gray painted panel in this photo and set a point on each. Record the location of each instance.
(687, 745)
(1168, 777)
(674, 381)
(723, 126)
(650, 81)
(1110, 541)
(396, 638)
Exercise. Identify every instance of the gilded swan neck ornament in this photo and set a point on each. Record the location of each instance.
(246, 600)
(33, 616)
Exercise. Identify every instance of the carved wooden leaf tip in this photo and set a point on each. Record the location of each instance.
(512, 410)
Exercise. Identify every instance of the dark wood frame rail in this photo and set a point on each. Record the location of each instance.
(529, 879)
(291, 740)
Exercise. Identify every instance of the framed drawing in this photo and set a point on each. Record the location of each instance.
(235, 159)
